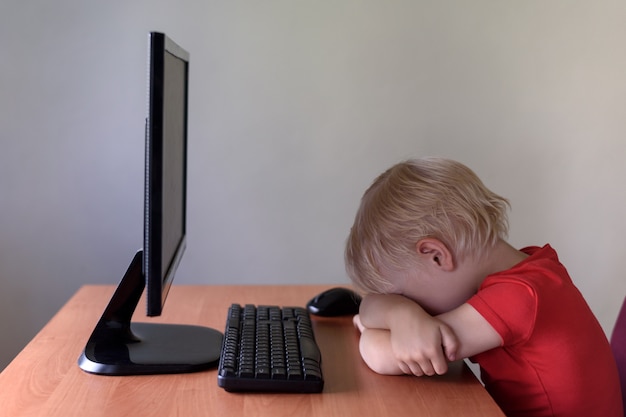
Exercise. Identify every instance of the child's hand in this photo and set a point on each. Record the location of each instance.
(422, 344)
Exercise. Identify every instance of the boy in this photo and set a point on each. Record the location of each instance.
(427, 248)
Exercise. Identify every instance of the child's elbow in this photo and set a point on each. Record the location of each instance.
(379, 362)
(382, 368)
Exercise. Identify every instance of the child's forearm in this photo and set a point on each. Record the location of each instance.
(376, 351)
(382, 311)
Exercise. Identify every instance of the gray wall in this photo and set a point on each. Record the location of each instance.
(295, 107)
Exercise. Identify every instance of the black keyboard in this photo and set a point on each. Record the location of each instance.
(271, 349)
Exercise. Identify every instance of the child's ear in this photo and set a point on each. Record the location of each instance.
(434, 252)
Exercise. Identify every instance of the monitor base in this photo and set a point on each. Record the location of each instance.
(119, 347)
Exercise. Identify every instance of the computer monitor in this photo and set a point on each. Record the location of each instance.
(117, 346)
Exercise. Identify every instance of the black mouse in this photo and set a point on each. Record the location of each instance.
(335, 302)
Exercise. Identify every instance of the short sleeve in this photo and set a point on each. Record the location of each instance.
(509, 306)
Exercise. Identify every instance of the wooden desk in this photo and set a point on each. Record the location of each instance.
(45, 380)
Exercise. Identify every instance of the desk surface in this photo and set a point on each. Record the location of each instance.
(45, 380)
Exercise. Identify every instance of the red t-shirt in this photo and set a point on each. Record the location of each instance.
(555, 359)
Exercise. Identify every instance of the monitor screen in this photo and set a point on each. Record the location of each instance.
(118, 346)
(166, 167)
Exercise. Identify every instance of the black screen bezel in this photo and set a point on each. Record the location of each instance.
(159, 278)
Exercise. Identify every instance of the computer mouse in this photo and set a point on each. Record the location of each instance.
(335, 302)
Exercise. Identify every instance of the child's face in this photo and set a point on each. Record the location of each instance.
(435, 291)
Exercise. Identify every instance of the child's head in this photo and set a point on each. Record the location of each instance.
(416, 199)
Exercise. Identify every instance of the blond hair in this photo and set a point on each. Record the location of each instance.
(429, 197)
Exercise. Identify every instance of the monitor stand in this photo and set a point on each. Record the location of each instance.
(119, 347)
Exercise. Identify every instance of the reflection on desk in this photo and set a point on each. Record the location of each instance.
(44, 379)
